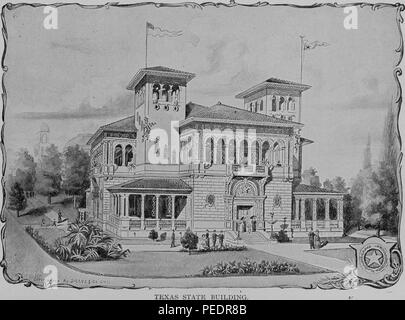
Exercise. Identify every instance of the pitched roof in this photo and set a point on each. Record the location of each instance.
(274, 83)
(165, 69)
(155, 73)
(225, 113)
(304, 188)
(126, 125)
(276, 80)
(154, 184)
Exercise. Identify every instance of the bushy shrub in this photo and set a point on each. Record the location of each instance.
(282, 236)
(163, 236)
(189, 240)
(153, 235)
(249, 267)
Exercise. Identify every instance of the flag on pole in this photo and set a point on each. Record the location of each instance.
(159, 32)
(312, 45)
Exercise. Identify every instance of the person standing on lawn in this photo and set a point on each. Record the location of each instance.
(207, 238)
(173, 244)
(318, 244)
(214, 239)
(311, 236)
(221, 239)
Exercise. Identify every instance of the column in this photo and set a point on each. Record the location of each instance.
(122, 211)
(340, 212)
(157, 211)
(314, 224)
(297, 209)
(327, 217)
(303, 226)
(127, 205)
(142, 212)
(173, 200)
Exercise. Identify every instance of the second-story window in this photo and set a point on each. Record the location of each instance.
(129, 155)
(274, 104)
(261, 105)
(118, 155)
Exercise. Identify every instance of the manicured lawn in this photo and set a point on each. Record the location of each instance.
(344, 254)
(179, 264)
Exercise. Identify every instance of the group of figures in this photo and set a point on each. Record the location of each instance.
(247, 225)
(315, 241)
(217, 240)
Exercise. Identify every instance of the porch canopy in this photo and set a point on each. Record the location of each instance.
(151, 202)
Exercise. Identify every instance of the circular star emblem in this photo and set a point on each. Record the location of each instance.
(373, 258)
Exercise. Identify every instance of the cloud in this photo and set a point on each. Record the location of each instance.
(74, 44)
(122, 105)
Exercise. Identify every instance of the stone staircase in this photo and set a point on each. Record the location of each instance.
(253, 238)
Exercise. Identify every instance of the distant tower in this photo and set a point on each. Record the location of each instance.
(367, 154)
(43, 142)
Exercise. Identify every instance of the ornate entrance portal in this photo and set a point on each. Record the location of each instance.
(245, 202)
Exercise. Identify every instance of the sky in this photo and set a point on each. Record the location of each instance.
(74, 78)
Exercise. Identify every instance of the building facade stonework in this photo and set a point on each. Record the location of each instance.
(174, 165)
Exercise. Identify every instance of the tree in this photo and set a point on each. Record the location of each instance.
(49, 176)
(76, 171)
(25, 174)
(339, 184)
(17, 200)
(310, 176)
(327, 184)
(386, 178)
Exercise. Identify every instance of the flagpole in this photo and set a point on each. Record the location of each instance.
(301, 55)
(146, 45)
(301, 67)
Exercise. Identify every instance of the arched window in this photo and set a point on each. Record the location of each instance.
(290, 104)
(255, 106)
(156, 93)
(281, 103)
(118, 155)
(261, 105)
(274, 104)
(221, 150)
(209, 150)
(175, 94)
(165, 93)
(255, 153)
(266, 153)
(232, 151)
(277, 158)
(190, 148)
(244, 148)
(128, 154)
(251, 107)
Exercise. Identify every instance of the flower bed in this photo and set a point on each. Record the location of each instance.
(250, 268)
(84, 242)
(226, 247)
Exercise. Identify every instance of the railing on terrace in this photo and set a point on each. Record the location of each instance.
(134, 224)
(150, 223)
(180, 224)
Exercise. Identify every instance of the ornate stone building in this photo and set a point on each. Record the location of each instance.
(177, 165)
